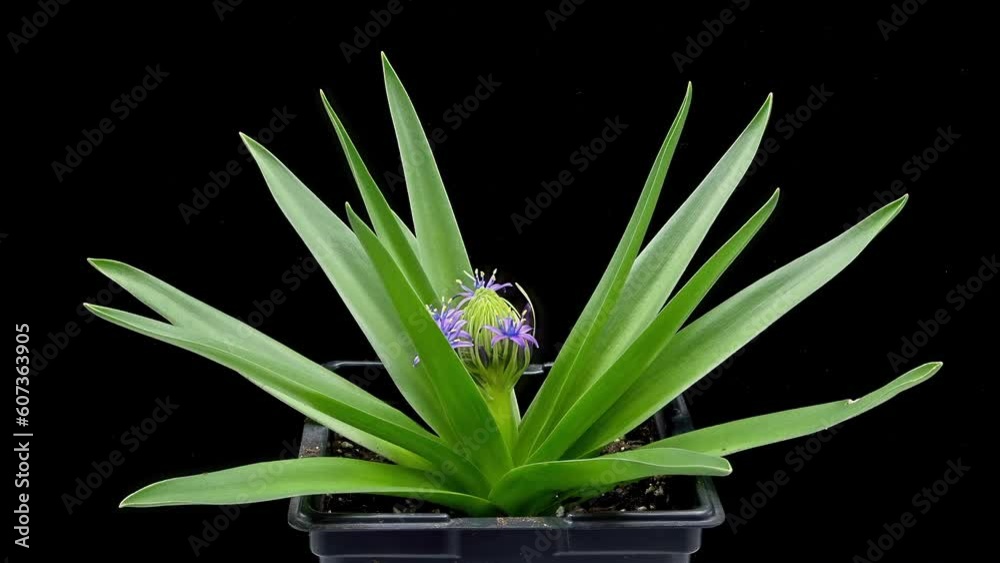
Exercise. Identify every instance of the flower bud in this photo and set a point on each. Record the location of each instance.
(501, 337)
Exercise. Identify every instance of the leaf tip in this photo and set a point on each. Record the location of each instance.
(105, 265)
(765, 110)
(898, 204)
(247, 140)
(98, 310)
(727, 467)
(130, 501)
(357, 224)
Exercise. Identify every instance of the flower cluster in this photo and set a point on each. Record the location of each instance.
(449, 320)
(491, 336)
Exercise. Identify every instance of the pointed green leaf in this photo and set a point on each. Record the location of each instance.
(610, 386)
(718, 334)
(442, 251)
(538, 487)
(469, 418)
(299, 477)
(185, 311)
(660, 265)
(387, 224)
(758, 431)
(580, 352)
(338, 252)
(325, 393)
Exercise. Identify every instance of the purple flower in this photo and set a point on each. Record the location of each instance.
(452, 325)
(517, 331)
(479, 281)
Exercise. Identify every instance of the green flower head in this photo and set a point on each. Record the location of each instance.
(501, 334)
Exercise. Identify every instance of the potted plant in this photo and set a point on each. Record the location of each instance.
(490, 480)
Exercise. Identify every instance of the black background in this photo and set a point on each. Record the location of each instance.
(557, 86)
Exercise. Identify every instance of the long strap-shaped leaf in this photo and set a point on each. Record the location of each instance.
(758, 431)
(469, 417)
(610, 386)
(387, 224)
(711, 339)
(442, 251)
(297, 477)
(577, 355)
(185, 311)
(660, 265)
(531, 489)
(378, 419)
(195, 316)
(345, 263)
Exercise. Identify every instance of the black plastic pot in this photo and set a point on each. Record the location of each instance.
(663, 536)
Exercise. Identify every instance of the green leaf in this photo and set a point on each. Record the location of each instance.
(185, 311)
(533, 489)
(758, 431)
(298, 477)
(580, 351)
(345, 263)
(194, 315)
(442, 251)
(711, 339)
(469, 418)
(315, 387)
(610, 386)
(387, 224)
(661, 264)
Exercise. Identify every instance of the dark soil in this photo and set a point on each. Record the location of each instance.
(639, 496)
(371, 504)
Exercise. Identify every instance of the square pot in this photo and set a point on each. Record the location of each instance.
(668, 536)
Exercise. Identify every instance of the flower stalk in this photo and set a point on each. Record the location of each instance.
(494, 340)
